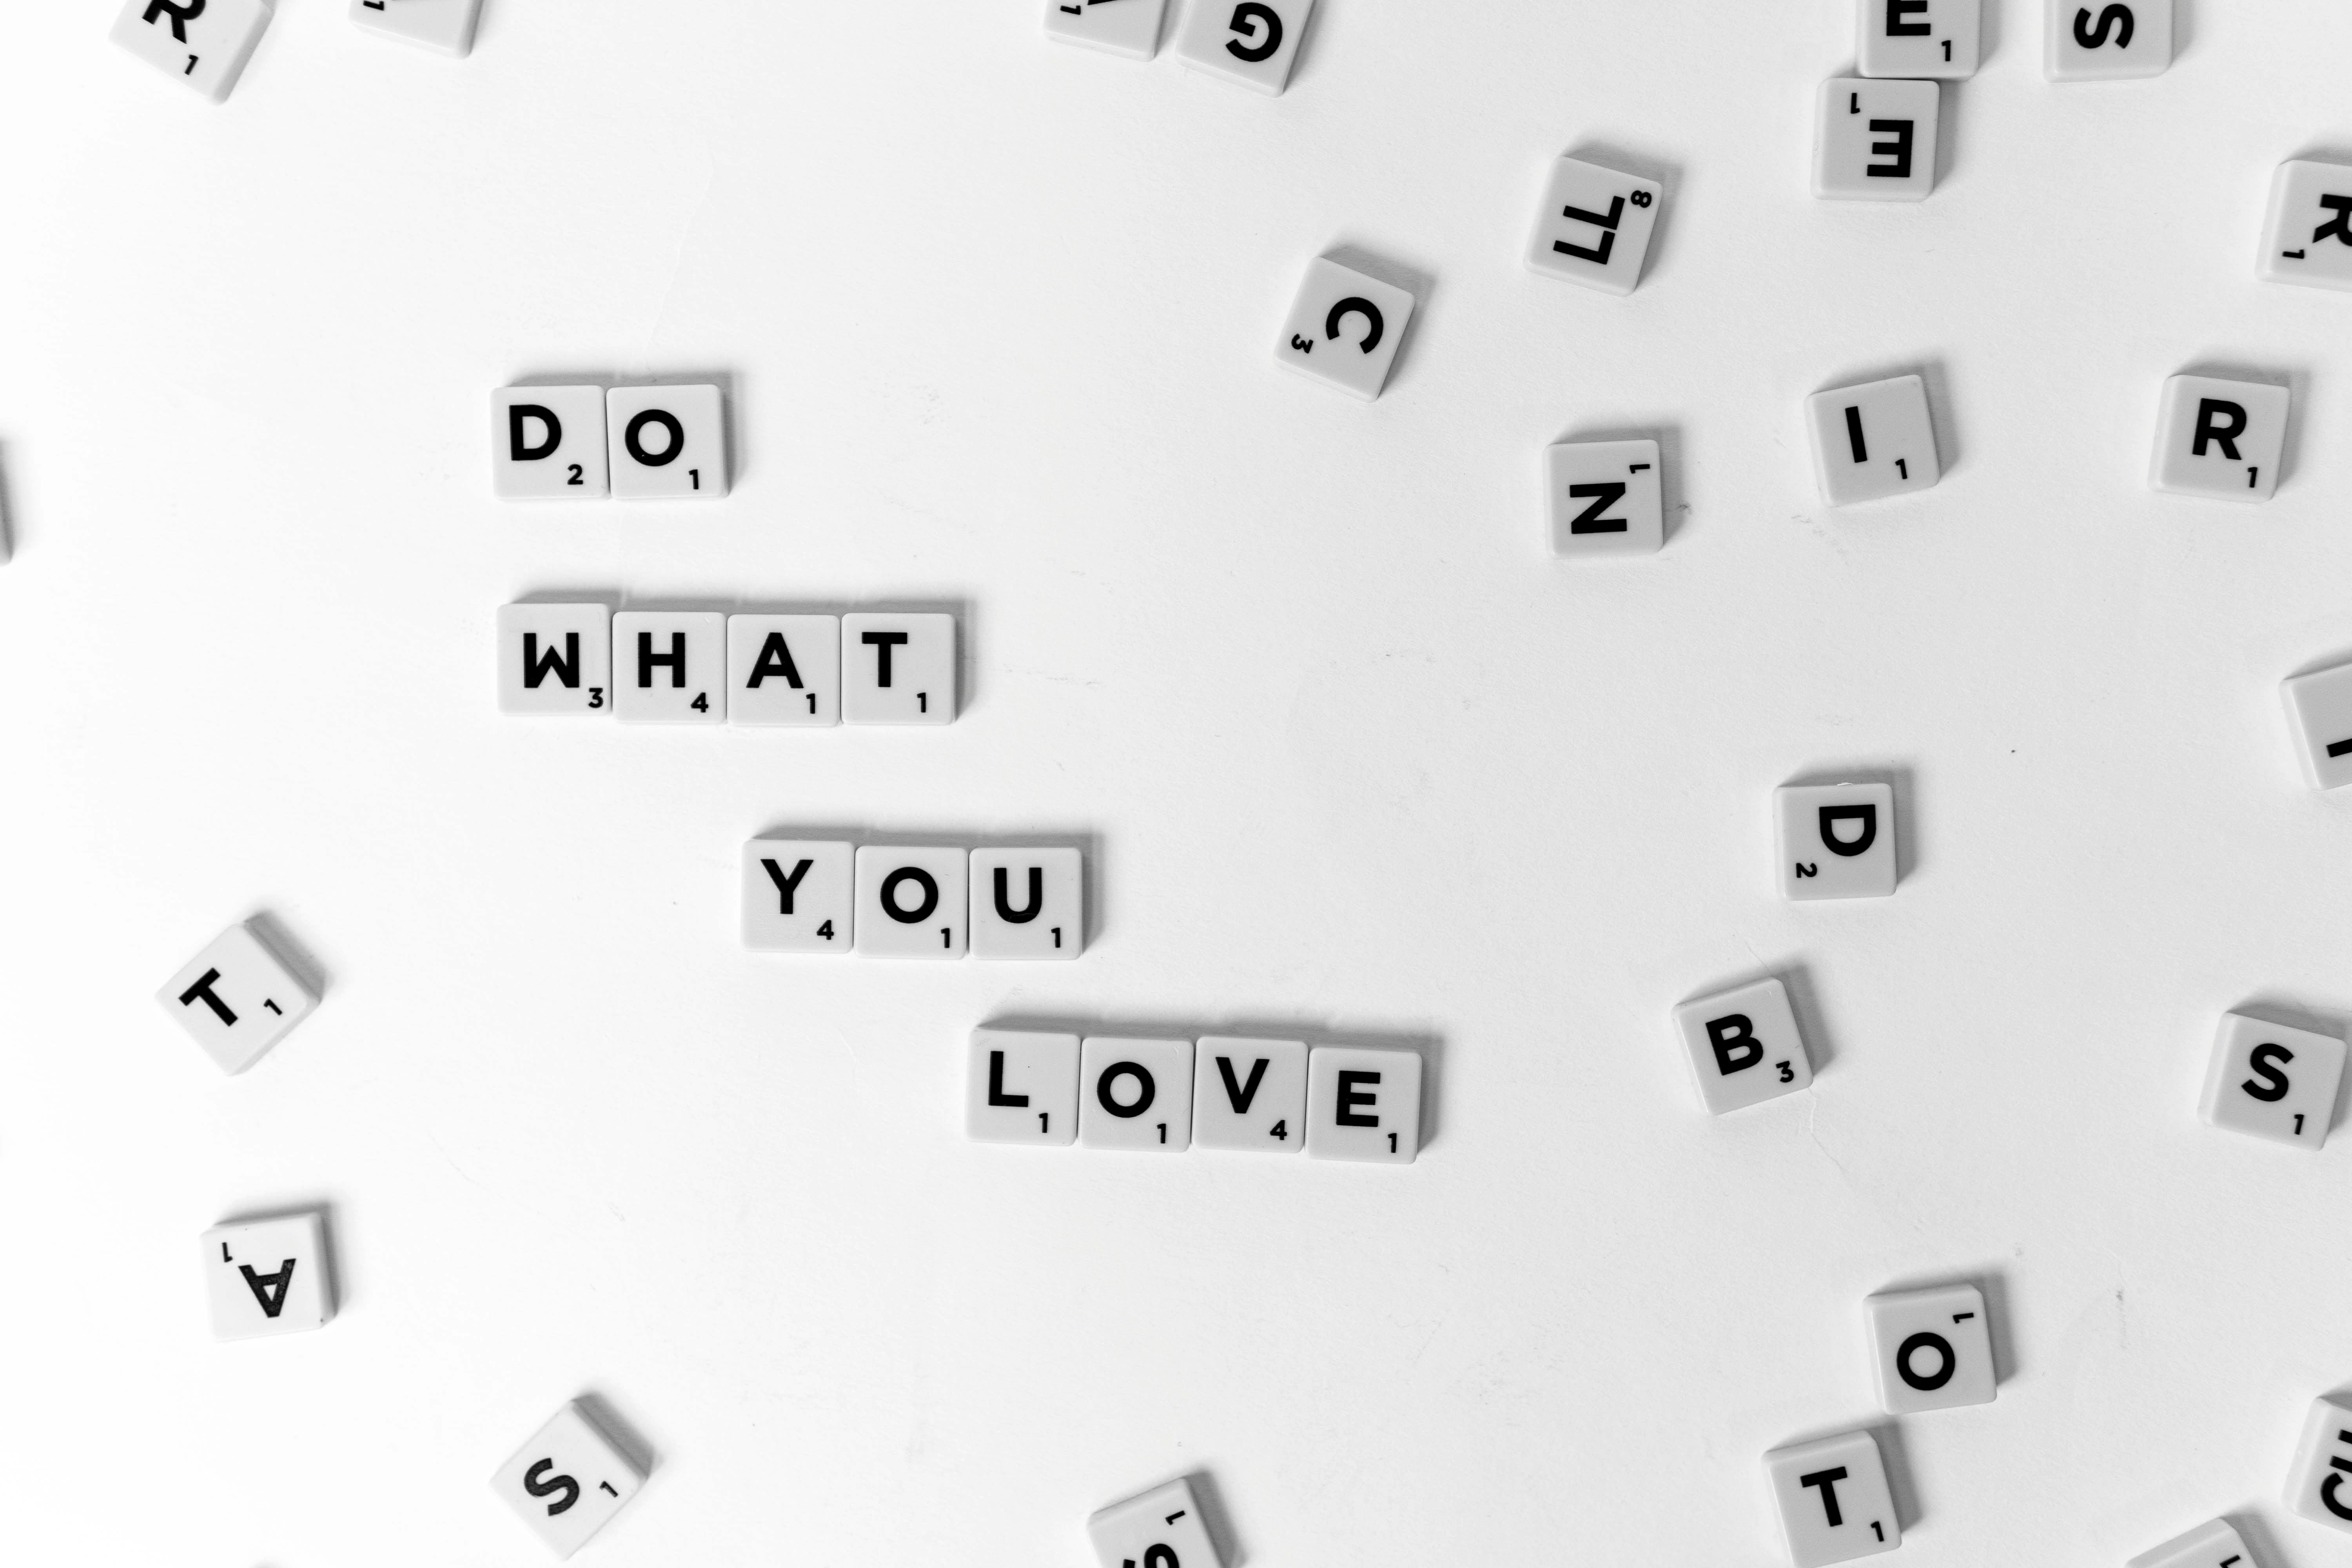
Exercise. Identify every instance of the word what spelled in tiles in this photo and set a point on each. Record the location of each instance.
(236, 999)
(1875, 140)
(1595, 226)
(1252, 44)
(1605, 498)
(1345, 328)
(1130, 27)
(266, 1277)
(1162, 1529)
(446, 25)
(1833, 1499)
(1930, 1349)
(828, 896)
(1743, 1046)
(1874, 440)
(2270, 1081)
(569, 1481)
(2107, 40)
(584, 443)
(2319, 712)
(2308, 238)
(1836, 841)
(2319, 1483)
(2216, 1544)
(2219, 439)
(1924, 39)
(204, 43)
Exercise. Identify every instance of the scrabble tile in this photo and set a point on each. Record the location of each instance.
(2307, 237)
(1363, 1104)
(1249, 1095)
(784, 669)
(1743, 1046)
(667, 443)
(268, 1276)
(1130, 27)
(555, 658)
(2212, 1545)
(1931, 1349)
(237, 999)
(1345, 328)
(1604, 497)
(444, 25)
(1924, 39)
(1595, 226)
(204, 43)
(2100, 40)
(2273, 1082)
(1873, 441)
(1836, 841)
(671, 666)
(1833, 1499)
(1252, 43)
(1876, 140)
(1023, 1088)
(898, 668)
(799, 894)
(2218, 438)
(1162, 1529)
(2319, 712)
(911, 903)
(547, 443)
(1136, 1094)
(568, 1481)
(2319, 1486)
(1028, 903)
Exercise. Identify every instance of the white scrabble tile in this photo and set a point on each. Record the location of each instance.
(1594, 226)
(2319, 712)
(911, 903)
(1924, 39)
(2319, 1486)
(268, 1276)
(204, 43)
(898, 668)
(1604, 497)
(1162, 1529)
(1833, 1499)
(2218, 438)
(1249, 1095)
(2273, 1082)
(2100, 40)
(444, 25)
(547, 443)
(2212, 1545)
(667, 443)
(555, 658)
(1836, 841)
(237, 999)
(1130, 27)
(1930, 1349)
(1136, 1094)
(1028, 903)
(1345, 328)
(1743, 1046)
(568, 1481)
(799, 894)
(1875, 141)
(1873, 441)
(2307, 237)
(784, 669)
(1023, 1088)
(1363, 1104)
(1252, 43)
(670, 667)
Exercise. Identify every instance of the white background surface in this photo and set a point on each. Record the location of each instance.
(1356, 758)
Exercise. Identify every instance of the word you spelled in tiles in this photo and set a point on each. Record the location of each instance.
(265, 1277)
(1155, 1095)
(701, 666)
(237, 998)
(1161, 1529)
(569, 1481)
(806, 895)
(584, 443)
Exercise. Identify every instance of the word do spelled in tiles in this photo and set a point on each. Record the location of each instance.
(1833, 1499)
(1345, 328)
(1873, 441)
(1875, 140)
(2308, 238)
(204, 43)
(2319, 1484)
(2218, 438)
(2319, 710)
(444, 25)
(1836, 841)
(2105, 40)
(699, 666)
(1252, 43)
(581, 443)
(1924, 39)
(1162, 1529)
(569, 1481)
(236, 999)
(1931, 1349)
(827, 896)
(1743, 1046)
(268, 1276)
(1604, 497)
(1163, 1096)
(2210, 1545)
(1130, 27)
(2273, 1082)
(1594, 227)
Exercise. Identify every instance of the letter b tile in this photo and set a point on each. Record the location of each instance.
(1836, 841)
(1743, 1046)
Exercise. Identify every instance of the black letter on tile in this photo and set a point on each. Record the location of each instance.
(1351, 1097)
(187, 12)
(1865, 814)
(1896, 28)
(2117, 17)
(269, 1289)
(1827, 1480)
(785, 886)
(1940, 1376)
(1241, 1095)
(565, 665)
(882, 643)
(537, 1487)
(1736, 1048)
(1248, 17)
(2340, 226)
(1004, 910)
(1604, 496)
(632, 437)
(2220, 422)
(2265, 1063)
(775, 658)
(1898, 150)
(922, 880)
(1147, 1090)
(518, 444)
(1374, 323)
(996, 1095)
(648, 658)
(204, 988)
